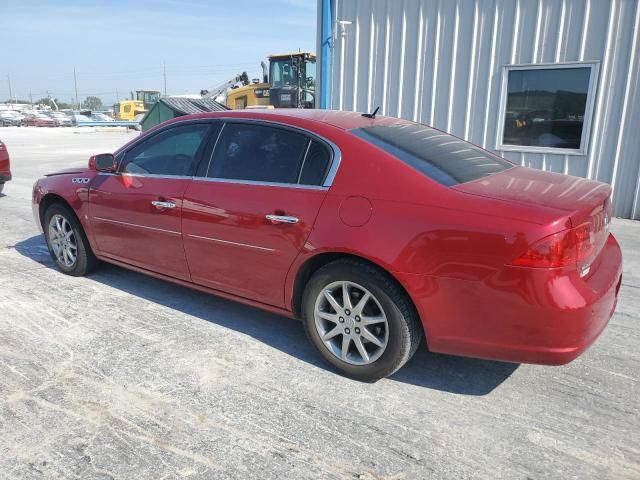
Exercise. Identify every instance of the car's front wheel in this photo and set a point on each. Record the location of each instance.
(1, 186)
(67, 242)
(360, 320)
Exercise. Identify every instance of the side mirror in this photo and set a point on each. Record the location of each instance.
(105, 162)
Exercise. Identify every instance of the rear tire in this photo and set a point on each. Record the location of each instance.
(370, 337)
(67, 242)
(1, 186)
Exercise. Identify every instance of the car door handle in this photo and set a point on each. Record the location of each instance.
(281, 219)
(162, 205)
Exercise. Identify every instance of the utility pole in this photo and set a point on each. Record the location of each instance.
(75, 86)
(164, 74)
(10, 92)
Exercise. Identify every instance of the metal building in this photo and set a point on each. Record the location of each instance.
(550, 84)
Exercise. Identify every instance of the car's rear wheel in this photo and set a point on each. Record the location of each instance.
(1, 186)
(67, 242)
(360, 320)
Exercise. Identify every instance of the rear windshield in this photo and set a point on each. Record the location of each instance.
(440, 156)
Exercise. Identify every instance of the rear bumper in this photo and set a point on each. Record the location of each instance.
(521, 315)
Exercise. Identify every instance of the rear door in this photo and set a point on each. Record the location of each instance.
(136, 213)
(249, 215)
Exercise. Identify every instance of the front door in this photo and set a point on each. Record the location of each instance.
(245, 222)
(136, 214)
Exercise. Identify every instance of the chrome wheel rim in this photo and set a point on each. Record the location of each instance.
(351, 323)
(63, 241)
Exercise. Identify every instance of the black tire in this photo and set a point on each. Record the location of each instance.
(1, 186)
(85, 262)
(404, 329)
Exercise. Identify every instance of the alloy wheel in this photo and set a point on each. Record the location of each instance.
(351, 323)
(63, 241)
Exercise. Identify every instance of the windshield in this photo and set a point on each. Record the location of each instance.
(442, 157)
(283, 73)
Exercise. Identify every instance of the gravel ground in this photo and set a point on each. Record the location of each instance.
(119, 375)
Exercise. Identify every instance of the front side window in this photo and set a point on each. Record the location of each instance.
(258, 153)
(547, 107)
(438, 155)
(172, 152)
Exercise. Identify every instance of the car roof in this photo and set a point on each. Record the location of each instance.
(339, 119)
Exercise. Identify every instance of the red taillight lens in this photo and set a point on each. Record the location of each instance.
(568, 247)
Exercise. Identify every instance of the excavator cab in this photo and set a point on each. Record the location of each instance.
(292, 79)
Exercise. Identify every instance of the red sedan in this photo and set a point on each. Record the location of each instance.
(5, 166)
(377, 232)
(38, 120)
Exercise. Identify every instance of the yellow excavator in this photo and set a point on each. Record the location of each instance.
(130, 109)
(289, 82)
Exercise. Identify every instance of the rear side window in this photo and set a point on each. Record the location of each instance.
(316, 164)
(258, 153)
(440, 156)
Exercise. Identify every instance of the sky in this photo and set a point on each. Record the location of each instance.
(118, 46)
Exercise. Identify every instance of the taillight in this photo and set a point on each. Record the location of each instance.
(568, 247)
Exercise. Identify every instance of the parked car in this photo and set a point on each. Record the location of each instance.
(5, 166)
(37, 119)
(10, 118)
(377, 232)
(77, 119)
(101, 117)
(60, 119)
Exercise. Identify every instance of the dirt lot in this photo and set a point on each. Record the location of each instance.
(122, 376)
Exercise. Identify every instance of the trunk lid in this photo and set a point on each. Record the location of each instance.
(578, 198)
(585, 202)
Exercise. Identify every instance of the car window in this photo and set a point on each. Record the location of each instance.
(316, 164)
(258, 153)
(172, 152)
(442, 157)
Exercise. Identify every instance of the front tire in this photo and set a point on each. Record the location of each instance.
(360, 320)
(67, 242)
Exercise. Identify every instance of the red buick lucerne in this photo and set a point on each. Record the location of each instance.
(376, 232)
(5, 166)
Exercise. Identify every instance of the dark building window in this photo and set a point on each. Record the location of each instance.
(547, 107)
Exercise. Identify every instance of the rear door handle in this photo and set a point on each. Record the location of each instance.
(281, 219)
(162, 205)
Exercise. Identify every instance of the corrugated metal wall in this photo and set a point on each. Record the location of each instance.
(440, 62)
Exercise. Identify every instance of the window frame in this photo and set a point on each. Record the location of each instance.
(334, 152)
(592, 91)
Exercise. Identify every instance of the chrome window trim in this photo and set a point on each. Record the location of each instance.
(336, 159)
(304, 159)
(149, 175)
(260, 183)
(215, 144)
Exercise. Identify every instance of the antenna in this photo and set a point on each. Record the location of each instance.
(371, 115)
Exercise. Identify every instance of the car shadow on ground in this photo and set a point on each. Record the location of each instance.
(440, 372)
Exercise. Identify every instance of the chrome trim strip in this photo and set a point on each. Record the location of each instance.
(213, 150)
(231, 243)
(304, 160)
(108, 220)
(149, 175)
(264, 184)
